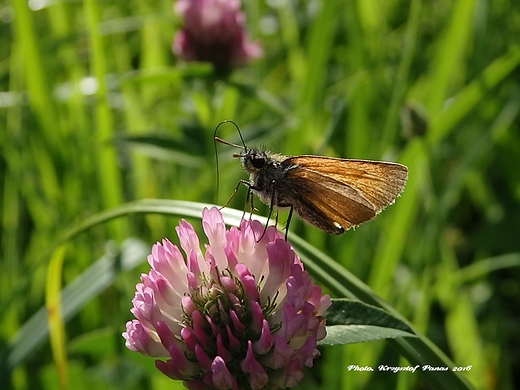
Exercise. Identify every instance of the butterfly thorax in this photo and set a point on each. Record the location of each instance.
(266, 174)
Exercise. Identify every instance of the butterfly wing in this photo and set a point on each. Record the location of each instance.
(336, 194)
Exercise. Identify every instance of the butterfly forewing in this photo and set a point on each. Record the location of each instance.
(326, 205)
(378, 182)
(336, 194)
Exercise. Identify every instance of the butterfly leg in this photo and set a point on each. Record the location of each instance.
(288, 222)
(249, 199)
(242, 181)
(249, 196)
(271, 206)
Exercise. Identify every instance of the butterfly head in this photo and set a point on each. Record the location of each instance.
(253, 160)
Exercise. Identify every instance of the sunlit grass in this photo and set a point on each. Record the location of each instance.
(95, 113)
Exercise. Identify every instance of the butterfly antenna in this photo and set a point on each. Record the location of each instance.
(216, 161)
(217, 139)
(238, 130)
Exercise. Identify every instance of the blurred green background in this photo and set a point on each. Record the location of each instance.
(95, 112)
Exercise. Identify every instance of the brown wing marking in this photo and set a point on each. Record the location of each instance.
(378, 182)
(328, 204)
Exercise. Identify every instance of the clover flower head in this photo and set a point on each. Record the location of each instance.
(213, 31)
(240, 315)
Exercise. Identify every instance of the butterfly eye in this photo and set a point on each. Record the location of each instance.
(257, 161)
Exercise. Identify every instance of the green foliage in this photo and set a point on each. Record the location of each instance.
(350, 321)
(96, 115)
